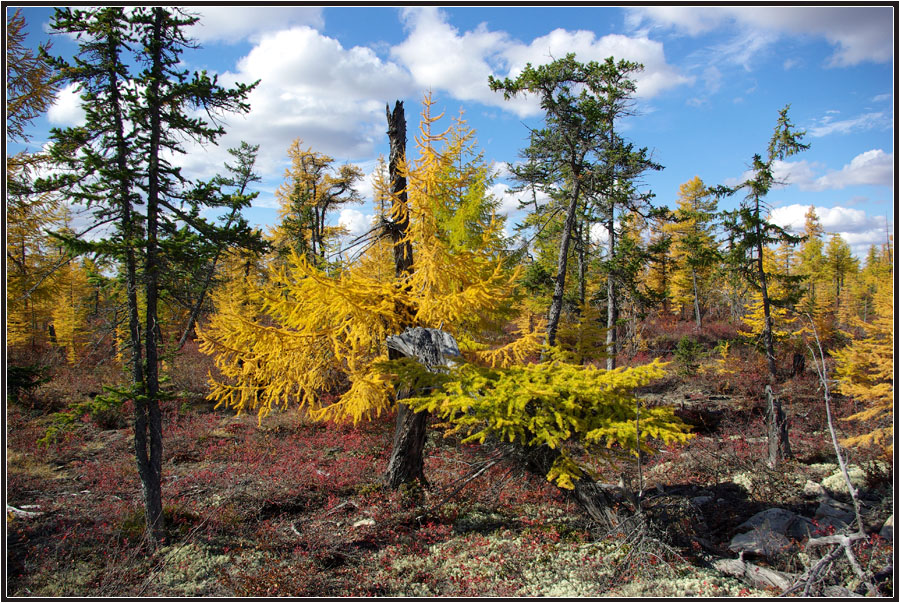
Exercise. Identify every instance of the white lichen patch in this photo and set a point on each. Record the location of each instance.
(837, 484)
(695, 582)
(518, 565)
(821, 470)
(191, 569)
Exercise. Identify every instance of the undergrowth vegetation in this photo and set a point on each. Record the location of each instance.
(293, 507)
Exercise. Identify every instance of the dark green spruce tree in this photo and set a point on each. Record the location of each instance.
(120, 161)
(750, 231)
(577, 158)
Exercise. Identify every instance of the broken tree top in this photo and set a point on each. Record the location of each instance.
(431, 347)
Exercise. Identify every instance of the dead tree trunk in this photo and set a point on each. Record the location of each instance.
(433, 349)
(776, 424)
(406, 463)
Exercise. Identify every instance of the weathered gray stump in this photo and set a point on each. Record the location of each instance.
(434, 349)
(777, 433)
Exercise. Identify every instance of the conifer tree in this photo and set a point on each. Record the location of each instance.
(694, 250)
(865, 369)
(811, 265)
(839, 264)
(751, 231)
(578, 150)
(312, 188)
(117, 162)
(30, 85)
(31, 259)
(317, 329)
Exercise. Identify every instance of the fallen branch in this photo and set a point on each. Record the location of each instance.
(754, 575)
(341, 506)
(21, 514)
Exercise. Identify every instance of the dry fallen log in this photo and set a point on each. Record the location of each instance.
(22, 514)
(754, 575)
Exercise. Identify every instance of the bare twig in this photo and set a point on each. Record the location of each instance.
(821, 371)
(843, 543)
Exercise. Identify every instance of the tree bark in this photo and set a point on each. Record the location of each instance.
(559, 284)
(696, 298)
(598, 501)
(407, 462)
(777, 434)
(433, 349)
(148, 424)
(399, 223)
(612, 309)
(764, 291)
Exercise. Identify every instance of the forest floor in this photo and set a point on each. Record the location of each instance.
(290, 507)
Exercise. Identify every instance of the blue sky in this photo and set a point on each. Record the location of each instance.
(707, 100)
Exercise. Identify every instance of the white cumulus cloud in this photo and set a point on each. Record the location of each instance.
(439, 56)
(859, 229)
(858, 33)
(313, 88)
(872, 168)
(66, 109)
(355, 221)
(232, 23)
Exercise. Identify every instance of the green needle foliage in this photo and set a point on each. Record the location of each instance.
(575, 409)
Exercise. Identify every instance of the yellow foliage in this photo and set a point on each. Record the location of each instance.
(528, 342)
(583, 338)
(555, 404)
(69, 310)
(784, 323)
(310, 330)
(865, 371)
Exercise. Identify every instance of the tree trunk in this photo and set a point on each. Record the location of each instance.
(612, 310)
(598, 501)
(407, 462)
(433, 349)
(399, 223)
(559, 284)
(148, 424)
(696, 298)
(777, 434)
(767, 313)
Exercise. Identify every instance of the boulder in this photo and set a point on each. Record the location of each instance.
(830, 510)
(760, 541)
(782, 522)
(887, 530)
(814, 490)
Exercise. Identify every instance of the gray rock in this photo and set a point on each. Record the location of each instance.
(780, 521)
(760, 541)
(887, 530)
(829, 525)
(830, 510)
(814, 490)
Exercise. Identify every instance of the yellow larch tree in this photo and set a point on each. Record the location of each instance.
(312, 188)
(317, 329)
(865, 368)
(308, 332)
(693, 248)
(785, 323)
(70, 309)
